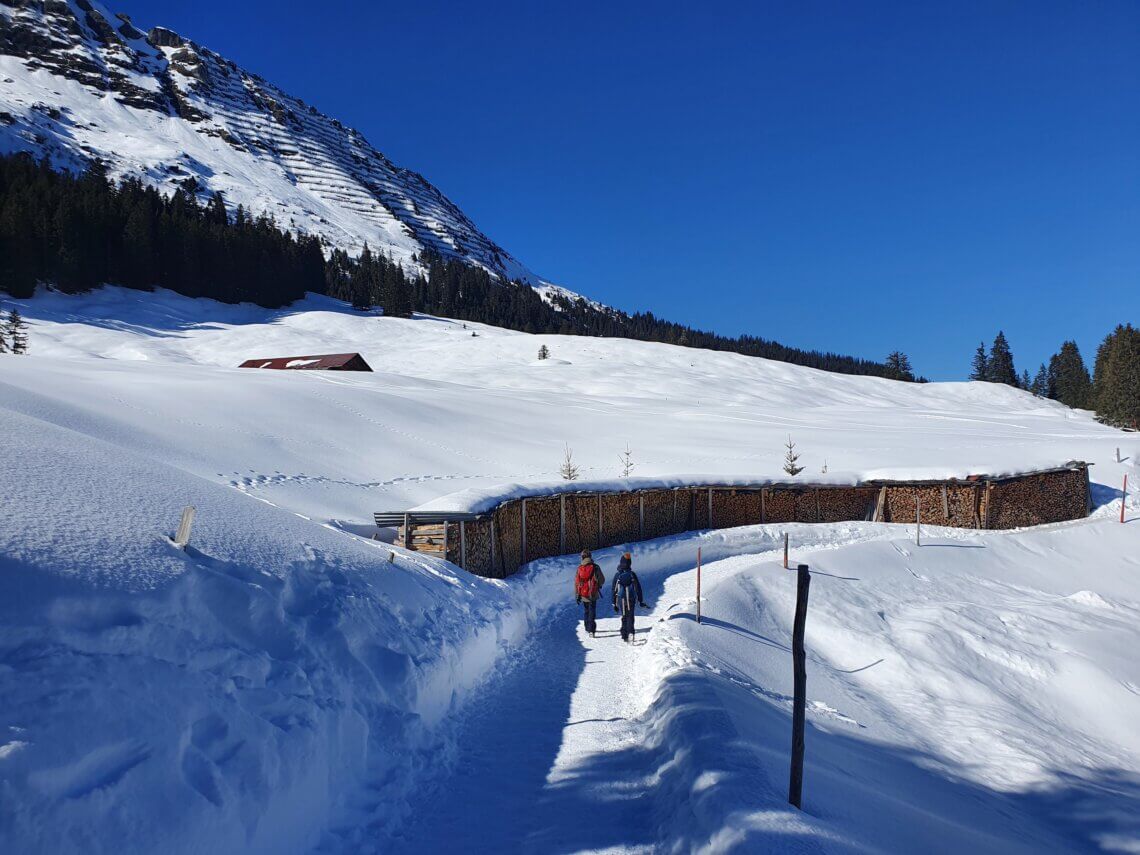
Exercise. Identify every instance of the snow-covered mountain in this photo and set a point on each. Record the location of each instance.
(77, 82)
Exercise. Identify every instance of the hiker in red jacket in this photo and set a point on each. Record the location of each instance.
(588, 583)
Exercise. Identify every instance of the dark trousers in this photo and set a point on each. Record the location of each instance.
(590, 607)
(627, 625)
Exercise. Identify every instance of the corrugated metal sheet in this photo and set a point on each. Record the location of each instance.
(319, 362)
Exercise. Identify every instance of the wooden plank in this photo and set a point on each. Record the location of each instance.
(945, 503)
(879, 506)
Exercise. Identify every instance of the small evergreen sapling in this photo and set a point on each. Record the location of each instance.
(791, 458)
(568, 470)
(17, 332)
(544, 352)
(627, 464)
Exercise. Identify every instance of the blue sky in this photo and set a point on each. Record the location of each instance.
(855, 177)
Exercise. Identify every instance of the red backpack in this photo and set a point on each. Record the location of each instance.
(587, 585)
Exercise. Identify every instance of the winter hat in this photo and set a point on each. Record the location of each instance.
(586, 555)
(627, 556)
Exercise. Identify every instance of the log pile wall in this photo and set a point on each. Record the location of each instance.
(543, 528)
(498, 543)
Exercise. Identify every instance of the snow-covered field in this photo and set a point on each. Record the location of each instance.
(288, 685)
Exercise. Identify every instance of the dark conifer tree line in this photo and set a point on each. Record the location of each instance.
(1113, 390)
(79, 232)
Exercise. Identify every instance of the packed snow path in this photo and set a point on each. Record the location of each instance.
(584, 744)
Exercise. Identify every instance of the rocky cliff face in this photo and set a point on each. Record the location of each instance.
(78, 83)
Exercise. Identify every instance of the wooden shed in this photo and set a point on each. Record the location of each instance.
(320, 362)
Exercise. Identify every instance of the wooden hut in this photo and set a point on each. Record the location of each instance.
(321, 362)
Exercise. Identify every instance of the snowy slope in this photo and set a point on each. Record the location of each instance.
(77, 82)
(287, 685)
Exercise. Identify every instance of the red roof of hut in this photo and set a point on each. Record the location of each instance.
(320, 362)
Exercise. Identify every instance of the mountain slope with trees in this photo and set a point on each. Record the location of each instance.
(79, 231)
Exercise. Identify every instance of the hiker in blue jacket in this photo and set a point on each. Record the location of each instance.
(626, 593)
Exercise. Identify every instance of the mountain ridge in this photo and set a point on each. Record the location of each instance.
(78, 83)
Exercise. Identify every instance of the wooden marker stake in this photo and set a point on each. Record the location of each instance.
(785, 550)
(799, 691)
(917, 522)
(1124, 498)
(698, 584)
(183, 536)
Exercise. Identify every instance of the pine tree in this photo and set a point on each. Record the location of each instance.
(1071, 384)
(568, 470)
(544, 352)
(1025, 383)
(627, 464)
(1040, 384)
(981, 366)
(898, 366)
(3, 340)
(999, 368)
(791, 458)
(1116, 378)
(17, 332)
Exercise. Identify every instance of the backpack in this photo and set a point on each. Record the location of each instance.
(587, 586)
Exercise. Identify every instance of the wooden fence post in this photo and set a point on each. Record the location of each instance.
(1124, 498)
(785, 550)
(698, 584)
(799, 692)
(917, 521)
(407, 532)
(1117, 455)
(182, 537)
